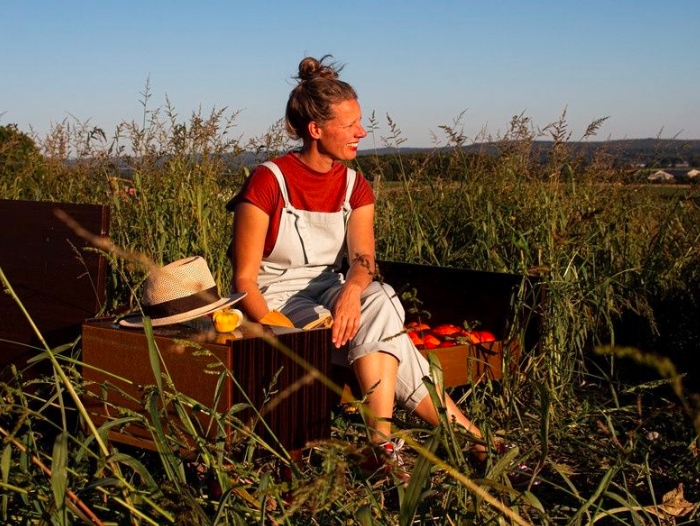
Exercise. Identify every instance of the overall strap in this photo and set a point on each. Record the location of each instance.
(350, 181)
(280, 180)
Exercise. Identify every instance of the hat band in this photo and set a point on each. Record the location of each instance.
(177, 306)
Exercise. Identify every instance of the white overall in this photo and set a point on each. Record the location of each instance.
(302, 270)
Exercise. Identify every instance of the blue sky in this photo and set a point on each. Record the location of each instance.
(423, 63)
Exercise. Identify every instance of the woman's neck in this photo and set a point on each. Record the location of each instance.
(314, 160)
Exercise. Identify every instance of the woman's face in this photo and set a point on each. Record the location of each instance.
(339, 137)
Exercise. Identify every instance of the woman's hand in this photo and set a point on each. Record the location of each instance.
(346, 314)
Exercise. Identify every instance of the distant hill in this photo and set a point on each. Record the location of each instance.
(648, 152)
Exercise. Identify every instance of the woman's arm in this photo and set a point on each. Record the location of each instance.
(360, 240)
(250, 225)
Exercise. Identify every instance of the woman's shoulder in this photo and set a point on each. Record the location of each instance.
(362, 193)
(260, 188)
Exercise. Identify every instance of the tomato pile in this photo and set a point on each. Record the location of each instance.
(444, 335)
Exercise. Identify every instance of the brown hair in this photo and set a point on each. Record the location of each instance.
(318, 88)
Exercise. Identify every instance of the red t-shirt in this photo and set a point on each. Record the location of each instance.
(307, 189)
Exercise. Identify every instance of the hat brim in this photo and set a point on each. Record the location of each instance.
(136, 321)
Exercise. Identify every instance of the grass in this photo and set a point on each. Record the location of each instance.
(603, 406)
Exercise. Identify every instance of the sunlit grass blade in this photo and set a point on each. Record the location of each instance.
(420, 477)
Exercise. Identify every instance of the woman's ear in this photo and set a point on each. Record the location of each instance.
(314, 130)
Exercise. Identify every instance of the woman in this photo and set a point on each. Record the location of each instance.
(296, 218)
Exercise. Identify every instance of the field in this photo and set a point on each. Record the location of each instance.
(604, 407)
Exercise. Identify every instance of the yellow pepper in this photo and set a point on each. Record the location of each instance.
(226, 320)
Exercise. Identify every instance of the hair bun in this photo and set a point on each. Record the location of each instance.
(311, 68)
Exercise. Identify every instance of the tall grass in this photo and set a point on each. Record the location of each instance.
(595, 249)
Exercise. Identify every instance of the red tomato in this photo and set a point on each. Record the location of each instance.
(415, 338)
(431, 341)
(487, 336)
(447, 329)
(480, 336)
(417, 326)
(448, 343)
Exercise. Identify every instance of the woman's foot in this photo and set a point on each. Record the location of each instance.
(386, 459)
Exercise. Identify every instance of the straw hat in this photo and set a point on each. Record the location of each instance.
(180, 291)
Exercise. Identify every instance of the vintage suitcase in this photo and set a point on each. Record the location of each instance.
(117, 374)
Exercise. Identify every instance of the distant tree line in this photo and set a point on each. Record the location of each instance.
(19, 153)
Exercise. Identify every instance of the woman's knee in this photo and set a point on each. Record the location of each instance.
(381, 296)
